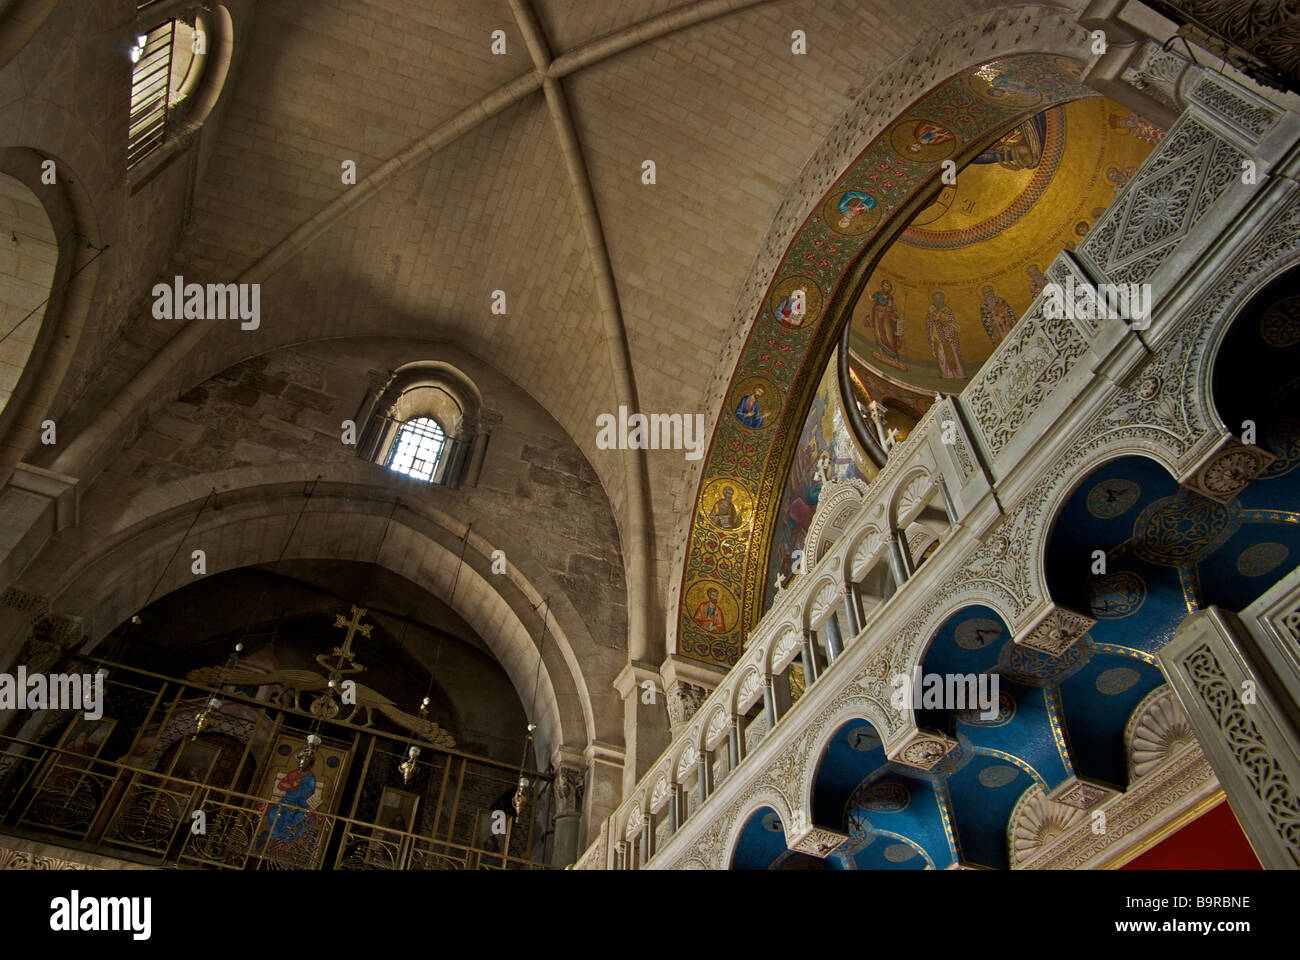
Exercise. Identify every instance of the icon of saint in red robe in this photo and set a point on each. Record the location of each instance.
(709, 615)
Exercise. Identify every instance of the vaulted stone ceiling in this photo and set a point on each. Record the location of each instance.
(463, 188)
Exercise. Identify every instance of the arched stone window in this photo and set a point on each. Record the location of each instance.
(180, 58)
(425, 420)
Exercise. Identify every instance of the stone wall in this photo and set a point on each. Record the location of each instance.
(273, 422)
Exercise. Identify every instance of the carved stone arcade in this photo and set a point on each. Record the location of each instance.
(1054, 401)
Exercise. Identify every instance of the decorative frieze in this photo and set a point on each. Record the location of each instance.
(1081, 794)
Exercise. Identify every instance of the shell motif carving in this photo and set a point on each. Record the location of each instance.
(633, 828)
(687, 761)
(790, 639)
(913, 493)
(717, 723)
(1036, 823)
(825, 600)
(1159, 731)
(865, 554)
(659, 793)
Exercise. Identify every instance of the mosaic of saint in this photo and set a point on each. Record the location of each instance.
(970, 263)
(765, 435)
(826, 451)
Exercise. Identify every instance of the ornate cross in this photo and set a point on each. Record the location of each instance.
(343, 655)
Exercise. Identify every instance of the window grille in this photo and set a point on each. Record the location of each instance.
(150, 88)
(418, 448)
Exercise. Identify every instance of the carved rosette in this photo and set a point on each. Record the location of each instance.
(923, 750)
(1227, 472)
(1081, 794)
(1056, 631)
(683, 700)
(815, 841)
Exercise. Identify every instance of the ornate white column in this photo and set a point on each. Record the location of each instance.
(1249, 736)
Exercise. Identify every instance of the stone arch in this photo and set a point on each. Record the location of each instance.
(347, 521)
(1257, 281)
(861, 709)
(714, 731)
(632, 825)
(748, 691)
(660, 792)
(835, 508)
(823, 597)
(71, 286)
(29, 262)
(1067, 484)
(784, 648)
(909, 495)
(1166, 412)
(921, 631)
(864, 552)
(766, 797)
(1055, 38)
(685, 756)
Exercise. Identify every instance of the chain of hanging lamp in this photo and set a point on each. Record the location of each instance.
(205, 717)
(521, 791)
(411, 763)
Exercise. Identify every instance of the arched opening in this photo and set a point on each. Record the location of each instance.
(317, 733)
(1138, 552)
(426, 423)
(761, 846)
(178, 70)
(29, 258)
(892, 820)
(49, 267)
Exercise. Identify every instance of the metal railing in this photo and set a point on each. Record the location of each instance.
(221, 796)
